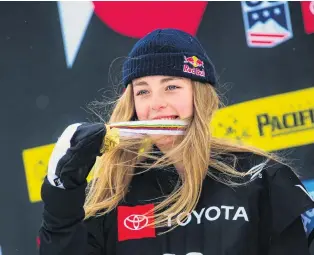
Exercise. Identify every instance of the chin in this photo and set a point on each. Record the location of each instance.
(164, 141)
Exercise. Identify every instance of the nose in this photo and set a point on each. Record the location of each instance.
(158, 103)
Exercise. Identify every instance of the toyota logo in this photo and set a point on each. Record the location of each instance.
(135, 222)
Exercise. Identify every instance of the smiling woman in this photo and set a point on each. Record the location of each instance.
(157, 193)
(158, 97)
(165, 98)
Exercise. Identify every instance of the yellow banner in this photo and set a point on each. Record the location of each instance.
(271, 123)
(36, 165)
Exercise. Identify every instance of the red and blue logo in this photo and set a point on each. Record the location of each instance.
(192, 65)
(267, 24)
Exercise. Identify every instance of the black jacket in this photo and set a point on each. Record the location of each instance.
(260, 218)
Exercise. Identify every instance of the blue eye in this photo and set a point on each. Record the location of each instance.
(172, 87)
(141, 92)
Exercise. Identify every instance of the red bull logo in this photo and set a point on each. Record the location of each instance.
(196, 63)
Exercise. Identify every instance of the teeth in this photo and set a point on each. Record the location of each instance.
(168, 118)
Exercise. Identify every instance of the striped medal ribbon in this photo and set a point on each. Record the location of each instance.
(154, 127)
(138, 128)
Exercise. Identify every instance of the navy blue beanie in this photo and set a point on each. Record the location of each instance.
(169, 52)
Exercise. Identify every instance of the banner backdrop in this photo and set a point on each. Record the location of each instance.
(57, 57)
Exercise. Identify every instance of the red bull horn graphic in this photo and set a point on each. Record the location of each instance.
(196, 63)
(75, 19)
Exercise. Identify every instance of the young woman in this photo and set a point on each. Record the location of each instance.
(161, 183)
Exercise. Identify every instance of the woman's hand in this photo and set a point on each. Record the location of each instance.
(75, 154)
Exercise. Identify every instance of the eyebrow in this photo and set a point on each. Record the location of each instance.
(164, 80)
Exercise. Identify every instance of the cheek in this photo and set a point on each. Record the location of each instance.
(184, 108)
(141, 110)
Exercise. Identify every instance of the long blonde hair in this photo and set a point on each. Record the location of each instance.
(114, 170)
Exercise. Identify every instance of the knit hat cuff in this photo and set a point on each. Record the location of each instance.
(183, 64)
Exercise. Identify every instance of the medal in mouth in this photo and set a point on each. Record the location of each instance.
(156, 126)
